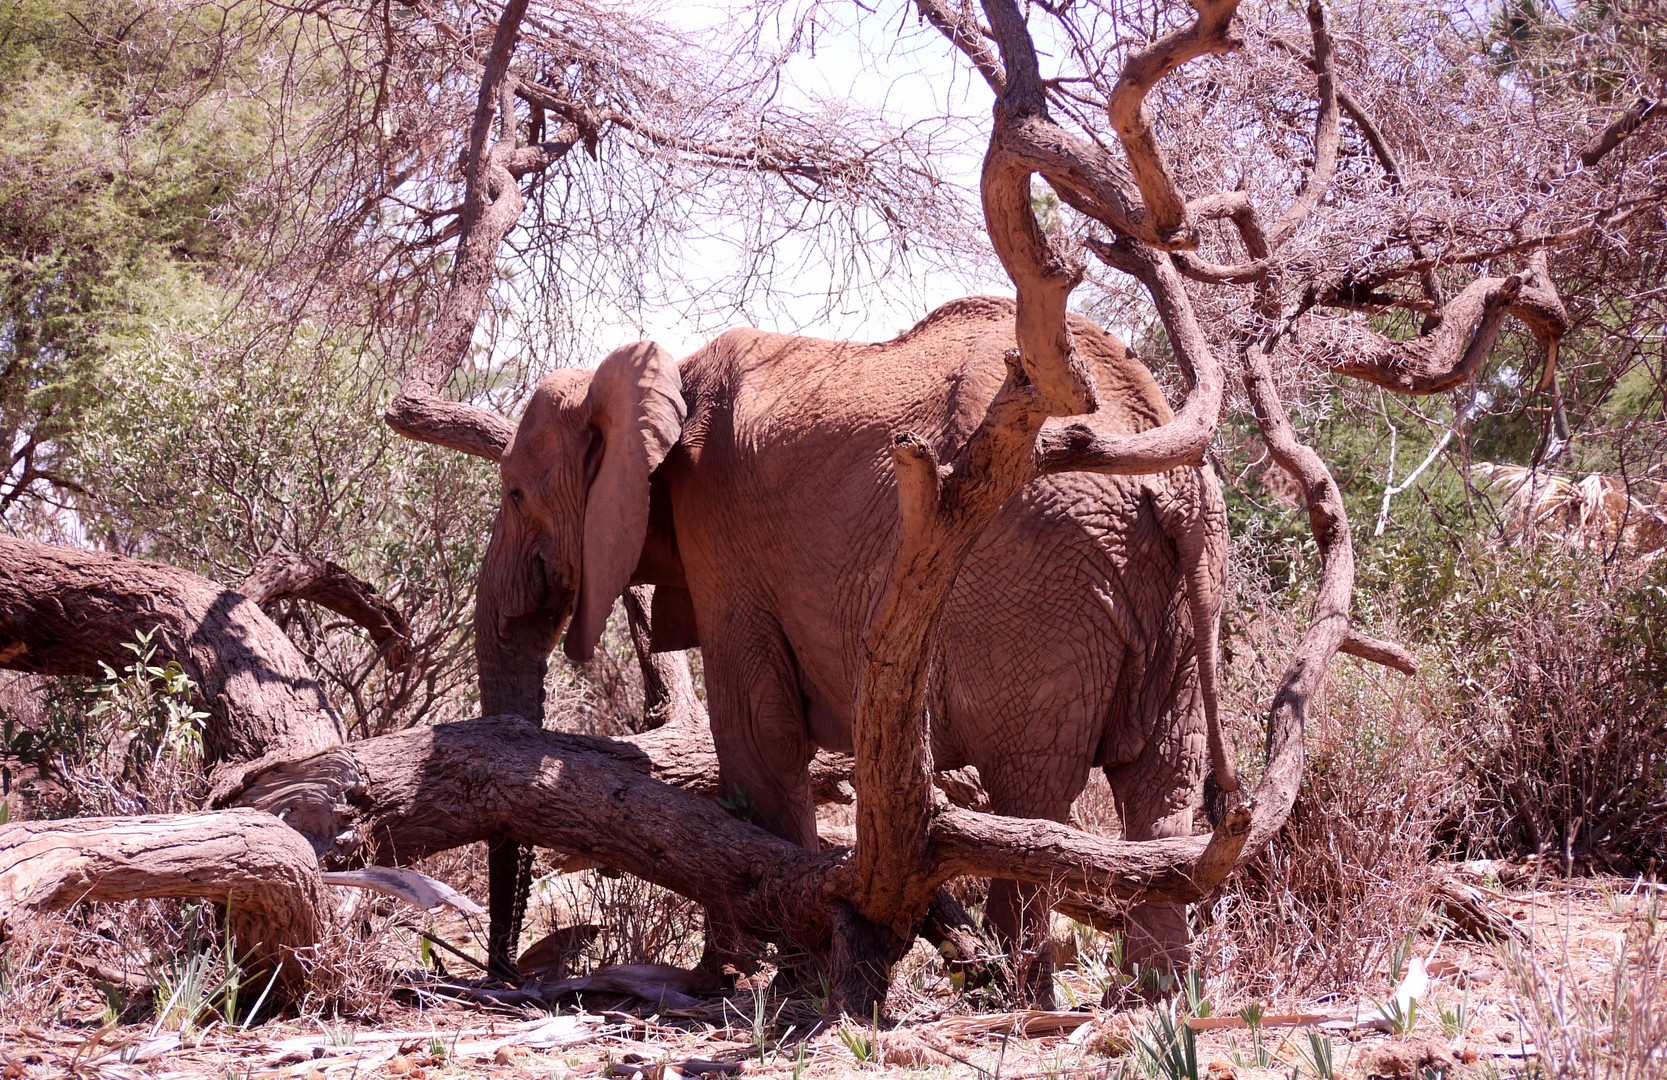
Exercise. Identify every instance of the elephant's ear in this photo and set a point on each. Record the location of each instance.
(636, 403)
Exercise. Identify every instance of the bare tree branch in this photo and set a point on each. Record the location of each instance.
(492, 204)
(1325, 135)
(963, 31)
(1210, 33)
(298, 577)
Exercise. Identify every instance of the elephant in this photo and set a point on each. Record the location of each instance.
(752, 485)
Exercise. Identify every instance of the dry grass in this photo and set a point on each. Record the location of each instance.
(1350, 873)
(1347, 879)
(1604, 1014)
(638, 922)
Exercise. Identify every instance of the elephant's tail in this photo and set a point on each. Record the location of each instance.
(1196, 522)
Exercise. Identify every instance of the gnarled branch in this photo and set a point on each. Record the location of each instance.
(1446, 356)
(65, 610)
(1210, 33)
(1076, 447)
(281, 576)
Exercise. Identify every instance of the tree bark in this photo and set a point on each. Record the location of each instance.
(299, 577)
(64, 610)
(263, 872)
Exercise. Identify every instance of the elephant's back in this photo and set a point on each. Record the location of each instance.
(935, 378)
(788, 506)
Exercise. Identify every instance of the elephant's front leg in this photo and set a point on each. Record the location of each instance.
(763, 744)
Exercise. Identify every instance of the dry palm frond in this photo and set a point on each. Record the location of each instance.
(1597, 509)
(1027, 1023)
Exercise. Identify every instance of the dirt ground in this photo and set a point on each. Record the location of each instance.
(1483, 1011)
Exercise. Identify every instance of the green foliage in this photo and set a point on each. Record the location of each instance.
(1455, 1022)
(736, 802)
(1318, 1056)
(1198, 1002)
(150, 701)
(862, 1044)
(126, 728)
(211, 455)
(1169, 1049)
(119, 164)
(1260, 1057)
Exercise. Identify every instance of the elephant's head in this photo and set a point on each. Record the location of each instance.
(573, 517)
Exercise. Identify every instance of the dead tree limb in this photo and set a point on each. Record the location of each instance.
(491, 206)
(262, 871)
(1454, 349)
(300, 577)
(64, 610)
(1211, 32)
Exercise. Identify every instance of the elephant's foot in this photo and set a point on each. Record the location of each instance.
(1033, 976)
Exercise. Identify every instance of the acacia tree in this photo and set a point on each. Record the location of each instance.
(1296, 266)
(1270, 248)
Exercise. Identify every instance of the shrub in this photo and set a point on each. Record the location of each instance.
(1559, 669)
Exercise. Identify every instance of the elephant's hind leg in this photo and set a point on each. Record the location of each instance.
(1019, 912)
(1155, 796)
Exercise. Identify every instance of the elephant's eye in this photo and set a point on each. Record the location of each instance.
(516, 496)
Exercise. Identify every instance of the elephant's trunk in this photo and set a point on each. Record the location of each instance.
(517, 618)
(513, 654)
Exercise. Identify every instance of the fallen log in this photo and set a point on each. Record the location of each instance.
(64, 610)
(264, 874)
(400, 797)
(644, 804)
